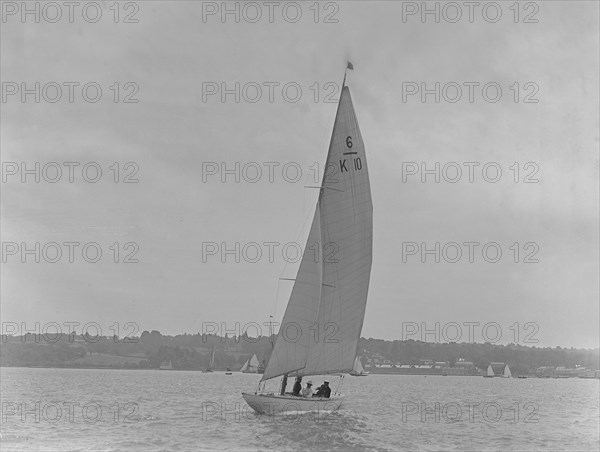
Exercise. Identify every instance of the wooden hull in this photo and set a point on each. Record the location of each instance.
(272, 404)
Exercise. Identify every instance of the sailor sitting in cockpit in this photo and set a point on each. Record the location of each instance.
(324, 390)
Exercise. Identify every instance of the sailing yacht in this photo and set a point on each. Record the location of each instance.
(358, 370)
(211, 363)
(251, 366)
(323, 320)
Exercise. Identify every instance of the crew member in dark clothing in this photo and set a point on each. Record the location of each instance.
(297, 386)
(283, 384)
(324, 390)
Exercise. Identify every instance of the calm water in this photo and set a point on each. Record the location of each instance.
(113, 410)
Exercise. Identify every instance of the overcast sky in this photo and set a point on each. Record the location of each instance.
(176, 129)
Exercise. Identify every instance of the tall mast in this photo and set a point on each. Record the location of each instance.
(350, 66)
(271, 332)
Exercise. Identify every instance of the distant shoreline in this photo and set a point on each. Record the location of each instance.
(239, 372)
(192, 352)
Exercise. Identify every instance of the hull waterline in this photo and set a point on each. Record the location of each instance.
(272, 404)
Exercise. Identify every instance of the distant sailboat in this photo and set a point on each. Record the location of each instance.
(251, 366)
(211, 363)
(358, 370)
(329, 295)
(498, 370)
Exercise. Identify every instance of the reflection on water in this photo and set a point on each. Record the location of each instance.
(63, 409)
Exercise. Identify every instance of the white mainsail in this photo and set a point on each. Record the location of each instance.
(245, 366)
(211, 363)
(323, 320)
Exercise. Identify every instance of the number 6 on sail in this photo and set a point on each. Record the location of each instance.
(327, 291)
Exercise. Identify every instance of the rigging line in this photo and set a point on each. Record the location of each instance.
(323, 186)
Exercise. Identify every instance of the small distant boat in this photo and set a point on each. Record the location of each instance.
(522, 376)
(331, 291)
(228, 371)
(251, 366)
(489, 373)
(498, 370)
(166, 365)
(211, 363)
(358, 370)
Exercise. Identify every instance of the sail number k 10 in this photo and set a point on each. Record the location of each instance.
(355, 162)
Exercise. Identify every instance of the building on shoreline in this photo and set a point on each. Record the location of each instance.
(566, 372)
(421, 367)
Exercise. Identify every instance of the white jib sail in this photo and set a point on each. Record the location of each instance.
(294, 336)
